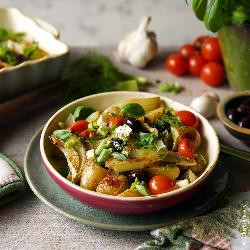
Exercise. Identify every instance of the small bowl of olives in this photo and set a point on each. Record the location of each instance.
(234, 112)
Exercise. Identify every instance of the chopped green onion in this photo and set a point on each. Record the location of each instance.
(104, 155)
(174, 88)
(103, 144)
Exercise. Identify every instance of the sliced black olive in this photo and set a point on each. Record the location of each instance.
(117, 144)
(141, 175)
(134, 124)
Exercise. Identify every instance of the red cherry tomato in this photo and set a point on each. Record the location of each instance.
(199, 41)
(210, 49)
(115, 121)
(185, 148)
(176, 64)
(78, 126)
(86, 134)
(212, 73)
(160, 184)
(195, 64)
(187, 118)
(187, 50)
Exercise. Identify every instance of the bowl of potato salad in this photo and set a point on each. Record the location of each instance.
(129, 152)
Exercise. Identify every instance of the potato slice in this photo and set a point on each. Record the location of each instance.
(152, 115)
(132, 192)
(132, 164)
(113, 184)
(172, 172)
(92, 175)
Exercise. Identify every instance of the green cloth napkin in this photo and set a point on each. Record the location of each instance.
(228, 227)
(12, 182)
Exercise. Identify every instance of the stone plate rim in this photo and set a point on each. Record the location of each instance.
(93, 223)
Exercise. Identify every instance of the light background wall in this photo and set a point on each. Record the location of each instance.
(104, 22)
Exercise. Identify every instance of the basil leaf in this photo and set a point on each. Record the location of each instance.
(62, 134)
(82, 112)
(143, 190)
(214, 16)
(199, 8)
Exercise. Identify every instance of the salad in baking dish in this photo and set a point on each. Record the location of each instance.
(139, 147)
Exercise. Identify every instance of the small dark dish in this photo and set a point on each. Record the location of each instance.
(234, 112)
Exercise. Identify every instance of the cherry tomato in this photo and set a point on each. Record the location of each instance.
(160, 184)
(212, 73)
(187, 118)
(195, 64)
(185, 148)
(187, 50)
(199, 41)
(78, 126)
(210, 49)
(86, 134)
(115, 121)
(176, 64)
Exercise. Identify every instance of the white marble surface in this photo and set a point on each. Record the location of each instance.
(104, 22)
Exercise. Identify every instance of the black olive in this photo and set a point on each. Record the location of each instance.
(244, 108)
(233, 115)
(161, 125)
(244, 122)
(141, 175)
(117, 144)
(134, 124)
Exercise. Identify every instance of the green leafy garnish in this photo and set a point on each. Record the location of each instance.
(141, 186)
(6, 55)
(6, 34)
(174, 88)
(73, 141)
(95, 73)
(170, 118)
(132, 109)
(146, 141)
(30, 50)
(82, 112)
(62, 134)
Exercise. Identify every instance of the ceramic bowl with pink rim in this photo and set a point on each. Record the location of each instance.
(127, 205)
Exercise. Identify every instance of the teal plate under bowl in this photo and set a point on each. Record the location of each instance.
(48, 192)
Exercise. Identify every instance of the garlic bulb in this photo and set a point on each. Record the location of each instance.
(205, 104)
(139, 46)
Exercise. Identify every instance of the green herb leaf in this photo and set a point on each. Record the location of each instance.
(132, 109)
(73, 141)
(30, 50)
(6, 54)
(171, 118)
(199, 8)
(82, 112)
(240, 15)
(146, 141)
(214, 15)
(141, 186)
(62, 134)
(6, 34)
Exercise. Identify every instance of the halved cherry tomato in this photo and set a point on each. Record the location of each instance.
(199, 41)
(185, 148)
(86, 134)
(176, 64)
(187, 50)
(212, 73)
(210, 49)
(160, 184)
(78, 126)
(195, 64)
(187, 118)
(115, 121)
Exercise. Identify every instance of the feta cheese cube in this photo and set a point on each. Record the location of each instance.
(90, 154)
(100, 121)
(123, 131)
(160, 144)
(182, 183)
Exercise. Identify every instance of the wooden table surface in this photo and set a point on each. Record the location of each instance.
(27, 223)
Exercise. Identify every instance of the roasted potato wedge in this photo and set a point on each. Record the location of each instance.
(92, 174)
(131, 192)
(113, 184)
(151, 116)
(128, 165)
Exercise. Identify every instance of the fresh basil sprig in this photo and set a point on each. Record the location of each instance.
(217, 13)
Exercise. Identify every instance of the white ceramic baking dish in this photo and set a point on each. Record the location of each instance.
(29, 75)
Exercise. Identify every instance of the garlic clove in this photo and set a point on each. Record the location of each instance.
(205, 105)
(212, 95)
(138, 47)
